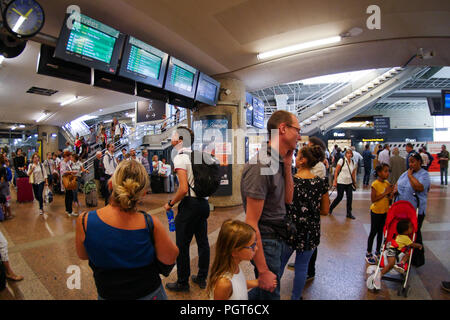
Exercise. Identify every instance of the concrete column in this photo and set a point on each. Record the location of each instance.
(231, 105)
(49, 143)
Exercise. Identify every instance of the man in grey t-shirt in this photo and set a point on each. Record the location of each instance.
(266, 188)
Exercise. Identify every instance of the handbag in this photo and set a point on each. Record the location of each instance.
(162, 268)
(353, 181)
(70, 181)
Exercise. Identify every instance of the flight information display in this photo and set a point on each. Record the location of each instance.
(143, 63)
(207, 90)
(181, 78)
(90, 43)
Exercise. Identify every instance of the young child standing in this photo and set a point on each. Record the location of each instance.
(381, 192)
(236, 243)
(397, 251)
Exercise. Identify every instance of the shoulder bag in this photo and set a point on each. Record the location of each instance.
(70, 181)
(353, 181)
(162, 268)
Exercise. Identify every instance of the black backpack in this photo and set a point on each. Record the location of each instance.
(206, 174)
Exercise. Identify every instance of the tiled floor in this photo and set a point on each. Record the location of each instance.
(42, 249)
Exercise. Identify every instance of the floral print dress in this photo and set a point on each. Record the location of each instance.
(304, 213)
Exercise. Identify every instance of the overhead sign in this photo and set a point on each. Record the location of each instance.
(258, 113)
(373, 140)
(249, 108)
(150, 110)
(382, 125)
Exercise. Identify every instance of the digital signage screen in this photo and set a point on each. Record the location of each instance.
(249, 108)
(181, 78)
(446, 101)
(90, 43)
(150, 110)
(143, 63)
(258, 113)
(207, 90)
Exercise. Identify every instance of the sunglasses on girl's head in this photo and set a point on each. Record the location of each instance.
(252, 246)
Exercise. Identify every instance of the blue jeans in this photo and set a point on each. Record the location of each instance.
(273, 250)
(301, 269)
(158, 294)
(444, 173)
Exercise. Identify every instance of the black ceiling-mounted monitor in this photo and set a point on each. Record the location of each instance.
(50, 66)
(435, 106)
(90, 43)
(181, 78)
(207, 90)
(143, 63)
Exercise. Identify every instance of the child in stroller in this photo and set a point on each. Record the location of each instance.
(398, 251)
(399, 236)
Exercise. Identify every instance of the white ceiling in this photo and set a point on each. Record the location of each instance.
(223, 37)
(17, 75)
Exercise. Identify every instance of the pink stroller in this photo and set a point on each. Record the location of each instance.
(400, 210)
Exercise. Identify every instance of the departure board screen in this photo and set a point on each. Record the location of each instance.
(91, 43)
(181, 78)
(207, 90)
(143, 63)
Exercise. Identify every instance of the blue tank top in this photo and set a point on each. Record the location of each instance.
(112, 248)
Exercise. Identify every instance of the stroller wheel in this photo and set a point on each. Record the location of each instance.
(406, 291)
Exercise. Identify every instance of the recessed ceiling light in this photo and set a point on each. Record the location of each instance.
(100, 110)
(299, 47)
(21, 126)
(13, 128)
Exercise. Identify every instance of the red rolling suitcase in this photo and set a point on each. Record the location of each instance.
(24, 190)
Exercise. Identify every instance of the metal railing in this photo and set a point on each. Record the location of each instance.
(134, 137)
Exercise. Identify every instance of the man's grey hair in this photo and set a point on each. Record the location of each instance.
(395, 151)
(98, 153)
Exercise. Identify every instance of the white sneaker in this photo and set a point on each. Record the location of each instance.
(41, 212)
(75, 214)
(68, 214)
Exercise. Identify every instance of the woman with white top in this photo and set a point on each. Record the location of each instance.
(344, 177)
(38, 179)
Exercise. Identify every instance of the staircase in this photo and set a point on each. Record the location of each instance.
(323, 118)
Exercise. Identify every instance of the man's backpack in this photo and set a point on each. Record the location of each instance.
(206, 174)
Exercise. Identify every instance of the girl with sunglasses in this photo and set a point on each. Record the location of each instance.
(236, 243)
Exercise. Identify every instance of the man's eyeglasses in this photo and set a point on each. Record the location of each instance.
(298, 129)
(252, 246)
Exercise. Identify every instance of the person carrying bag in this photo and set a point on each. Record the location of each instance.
(345, 182)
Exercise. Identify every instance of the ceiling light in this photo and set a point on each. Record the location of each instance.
(42, 117)
(1, 58)
(107, 121)
(298, 47)
(54, 135)
(13, 128)
(71, 100)
(36, 135)
(21, 126)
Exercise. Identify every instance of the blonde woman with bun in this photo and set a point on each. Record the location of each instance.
(117, 243)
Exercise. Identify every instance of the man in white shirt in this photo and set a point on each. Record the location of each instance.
(133, 154)
(110, 164)
(357, 157)
(384, 156)
(192, 216)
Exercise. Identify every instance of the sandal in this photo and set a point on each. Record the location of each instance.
(15, 278)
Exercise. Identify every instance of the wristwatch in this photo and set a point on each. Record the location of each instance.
(170, 205)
